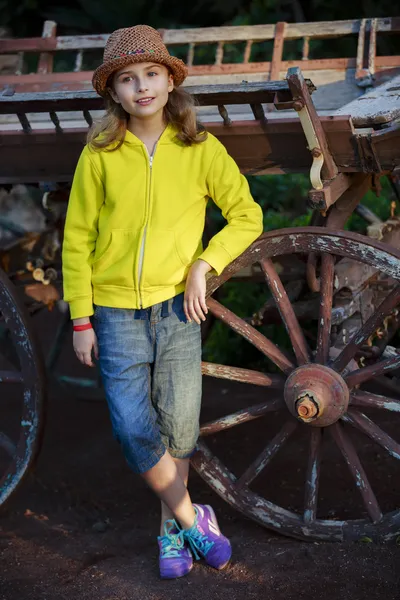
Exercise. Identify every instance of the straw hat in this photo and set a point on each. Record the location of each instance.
(140, 43)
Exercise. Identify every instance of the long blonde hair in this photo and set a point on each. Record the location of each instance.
(109, 132)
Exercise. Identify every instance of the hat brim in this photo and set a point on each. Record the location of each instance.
(102, 73)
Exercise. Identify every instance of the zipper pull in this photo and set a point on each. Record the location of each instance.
(151, 161)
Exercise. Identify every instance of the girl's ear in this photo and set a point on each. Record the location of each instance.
(170, 83)
(113, 95)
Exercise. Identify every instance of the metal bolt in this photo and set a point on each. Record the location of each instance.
(306, 407)
(316, 152)
(298, 104)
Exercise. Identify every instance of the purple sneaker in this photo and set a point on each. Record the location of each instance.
(205, 538)
(175, 557)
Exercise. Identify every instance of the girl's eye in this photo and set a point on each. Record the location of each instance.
(126, 79)
(152, 73)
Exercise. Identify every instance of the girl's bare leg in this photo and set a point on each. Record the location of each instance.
(166, 481)
(182, 465)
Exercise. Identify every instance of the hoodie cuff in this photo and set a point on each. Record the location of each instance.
(81, 307)
(217, 257)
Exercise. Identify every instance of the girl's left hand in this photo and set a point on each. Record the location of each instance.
(194, 303)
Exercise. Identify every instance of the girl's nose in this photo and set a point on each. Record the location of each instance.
(142, 86)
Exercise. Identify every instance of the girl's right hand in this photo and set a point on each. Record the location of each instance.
(84, 342)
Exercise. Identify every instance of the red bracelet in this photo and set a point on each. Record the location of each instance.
(83, 327)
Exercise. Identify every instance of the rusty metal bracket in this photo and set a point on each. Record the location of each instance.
(323, 164)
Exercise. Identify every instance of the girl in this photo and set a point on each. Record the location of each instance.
(132, 252)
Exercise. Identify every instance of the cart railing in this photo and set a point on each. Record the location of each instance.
(253, 53)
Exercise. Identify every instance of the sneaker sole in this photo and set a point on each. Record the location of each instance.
(215, 523)
(176, 576)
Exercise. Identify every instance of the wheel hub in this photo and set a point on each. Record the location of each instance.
(316, 395)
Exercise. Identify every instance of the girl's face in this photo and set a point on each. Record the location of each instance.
(142, 89)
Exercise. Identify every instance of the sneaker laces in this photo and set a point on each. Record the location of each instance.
(171, 543)
(197, 541)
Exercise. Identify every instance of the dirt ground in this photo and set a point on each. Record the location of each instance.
(83, 527)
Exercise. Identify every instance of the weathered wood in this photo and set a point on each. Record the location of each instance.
(369, 400)
(246, 93)
(256, 148)
(264, 512)
(303, 240)
(250, 334)
(364, 424)
(325, 73)
(367, 373)
(227, 34)
(313, 476)
(279, 39)
(332, 190)
(388, 304)
(325, 309)
(242, 375)
(381, 105)
(45, 64)
(266, 455)
(286, 311)
(360, 183)
(242, 416)
(356, 469)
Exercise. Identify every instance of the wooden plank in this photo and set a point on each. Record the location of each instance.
(256, 33)
(46, 58)
(274, 147)
(332, 190)
(246, 93)
(381, 105)
(321, 29)
(277, 51)
(67, 80)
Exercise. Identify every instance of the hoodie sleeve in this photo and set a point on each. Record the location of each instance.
(230, 191)
(80, 234)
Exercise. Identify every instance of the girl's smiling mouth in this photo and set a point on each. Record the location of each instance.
(144, 101)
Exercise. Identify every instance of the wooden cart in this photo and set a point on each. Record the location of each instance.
(272, 119)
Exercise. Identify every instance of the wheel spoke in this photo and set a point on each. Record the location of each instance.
(8, 445)
(251, 334)
(286, 311)
(11, 377)
(361, 375)
(361, 398)
(364, 424)
(313, 474)
(267, 454)
(325, 309)
(356, 469)
(241, 416)
(243, 375)
(390, 302)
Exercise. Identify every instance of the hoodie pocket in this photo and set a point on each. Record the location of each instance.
(162, 263)
(116, 265)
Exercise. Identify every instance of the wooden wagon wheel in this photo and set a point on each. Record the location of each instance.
(21, 380)
(317, 394)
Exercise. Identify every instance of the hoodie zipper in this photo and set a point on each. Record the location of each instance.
(141, 254)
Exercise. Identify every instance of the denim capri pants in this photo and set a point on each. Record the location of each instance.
(150, 363)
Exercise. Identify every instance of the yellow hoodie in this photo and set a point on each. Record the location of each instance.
(135, 223)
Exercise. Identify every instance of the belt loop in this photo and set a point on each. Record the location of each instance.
(164, 309)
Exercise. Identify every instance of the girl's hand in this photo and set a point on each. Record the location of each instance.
(84, 342)
(194, 303)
